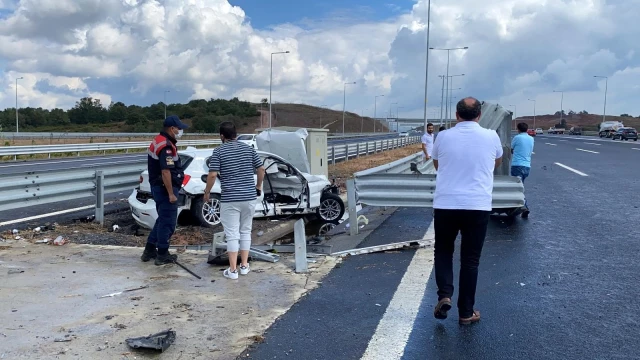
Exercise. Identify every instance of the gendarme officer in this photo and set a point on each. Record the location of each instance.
(165, 177)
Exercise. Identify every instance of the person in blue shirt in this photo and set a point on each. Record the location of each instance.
(522, 148)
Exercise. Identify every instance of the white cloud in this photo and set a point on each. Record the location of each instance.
(518, 49)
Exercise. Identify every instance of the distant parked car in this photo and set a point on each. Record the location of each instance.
(575, 131)
(531, 132)
(404, 134)
(539, 131)
(249, 139)
(625, 133)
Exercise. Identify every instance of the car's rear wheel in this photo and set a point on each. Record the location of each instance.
(207, 213)
(331, 208)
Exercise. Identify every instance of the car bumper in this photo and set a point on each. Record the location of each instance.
(144, 214)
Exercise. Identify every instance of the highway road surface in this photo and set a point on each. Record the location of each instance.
(561, 285)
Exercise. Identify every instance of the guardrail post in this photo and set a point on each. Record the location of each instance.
(100, 197)
(353, 211)
(387, 148)
(357, 150)
(346, 152)
(367, 147)
(333, 155)
(300, 240)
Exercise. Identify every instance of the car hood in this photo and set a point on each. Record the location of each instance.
(287, 145)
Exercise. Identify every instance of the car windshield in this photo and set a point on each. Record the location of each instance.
(185, 160)
(245, 137)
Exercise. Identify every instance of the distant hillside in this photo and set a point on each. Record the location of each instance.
(589, 122)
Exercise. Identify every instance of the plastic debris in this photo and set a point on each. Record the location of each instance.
(116, 227)
(160, 341)
(15, 231)
(37, 229)
(260, 233)
(123, 291)
(43, 241)
(59, 241)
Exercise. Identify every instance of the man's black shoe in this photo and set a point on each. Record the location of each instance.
(167, 258)
(148, 255)
(525, 214)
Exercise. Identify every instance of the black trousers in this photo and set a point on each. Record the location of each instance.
(472, 226)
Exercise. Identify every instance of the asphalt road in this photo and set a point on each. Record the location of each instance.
(560, 285)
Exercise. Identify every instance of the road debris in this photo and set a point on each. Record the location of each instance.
(43, 241)
(68, 339)
(59, 241)
(123, 291)
(160, 341)
(15, 271)
(189, 271)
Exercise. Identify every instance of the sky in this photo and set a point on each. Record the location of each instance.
(135, 51)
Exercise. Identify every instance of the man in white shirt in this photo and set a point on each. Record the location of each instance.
(427, 142)
(465, 157)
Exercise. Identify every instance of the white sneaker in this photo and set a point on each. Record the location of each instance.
(233, 275)
(244, 270)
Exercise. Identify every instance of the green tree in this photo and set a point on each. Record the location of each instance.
(118, 112)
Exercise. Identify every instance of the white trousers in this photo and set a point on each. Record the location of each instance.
(237, 221)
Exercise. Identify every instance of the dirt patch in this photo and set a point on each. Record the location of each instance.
(344, 171)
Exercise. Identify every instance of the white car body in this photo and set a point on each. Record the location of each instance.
(249, 139)
(539, 131)
(286, 190)
(404, 134)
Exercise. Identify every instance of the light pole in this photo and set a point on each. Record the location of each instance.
(344, 102)
(606, 87)
(442, 99)
(426, 65)
(271, 81)
(375, 111)
(450, 116)
(448, 50)
(398, 117)
(17, 102)
(165, 102)
(515, 116)
(534, 113)
(561, 100)
(324, 107)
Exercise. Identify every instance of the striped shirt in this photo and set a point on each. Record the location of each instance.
(235, 163)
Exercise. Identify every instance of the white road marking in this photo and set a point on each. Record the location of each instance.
(392, 333)
(563, 140)
(10, 222)
(589, 151)
(635, 149)
(571, 169)
(551, 144)
(593, 144)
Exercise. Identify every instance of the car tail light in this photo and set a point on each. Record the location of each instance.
(141, 179)
(186, 180)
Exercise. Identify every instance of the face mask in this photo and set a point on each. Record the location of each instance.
(179, 134)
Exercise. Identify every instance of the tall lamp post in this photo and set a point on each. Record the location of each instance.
(426, 65)
(362, 120)
(375, 111)
(398, 117)
(271, 81)
(344, 102)
(450, 116)
(561, 100)
(17, 102)
(442, 99)
(164, 101)
(515, 115)
(390, 116)
(606, 87)
(448, 50)
(534, 113)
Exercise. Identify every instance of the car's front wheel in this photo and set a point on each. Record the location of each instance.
(331, 208)
(207, 213)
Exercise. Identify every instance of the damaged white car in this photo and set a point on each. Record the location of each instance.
(286, 191)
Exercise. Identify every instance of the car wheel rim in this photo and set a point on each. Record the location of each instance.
(325, 228)
(329, 210)
(211, 211)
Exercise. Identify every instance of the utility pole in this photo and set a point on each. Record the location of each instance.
(375, 113)
(534, 113)
(344, 102)
(441, 100)
(606, 87)
(390, 116)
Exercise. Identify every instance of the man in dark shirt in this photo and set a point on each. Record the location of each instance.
(165, 177)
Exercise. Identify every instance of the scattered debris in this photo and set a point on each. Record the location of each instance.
(160, 341)
(260, 233)
(259, 339)
(15, 271)
(109, 317)
(70, 296)
(123, 291)
(67, 339)
(15, 232)
(43, 241)
(59, 241)
(37, 229)
(189, 271)
(137, 298)
(115, 227)
(522, 284)
(119, 326)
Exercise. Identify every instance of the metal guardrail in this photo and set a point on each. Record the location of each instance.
(81, 135)
(79, 148)
(39, 187)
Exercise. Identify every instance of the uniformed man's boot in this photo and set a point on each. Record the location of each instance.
(149, 253)
(165, 258)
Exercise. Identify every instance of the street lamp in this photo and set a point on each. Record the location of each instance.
(515, 116)
(344, 102)
(448, 50)
(606, 87)
(165, 102)
(561, 100)
(17, 102)
(323, 106)
(375, 111)
(426, 66)
(390, 116)
(450, 115)
(534, 113)
(271, 81)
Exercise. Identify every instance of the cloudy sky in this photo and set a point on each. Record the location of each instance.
(134, 50)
